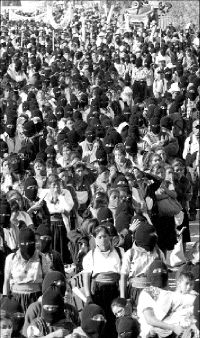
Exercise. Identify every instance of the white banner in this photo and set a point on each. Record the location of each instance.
(16, 17)
(77, 286)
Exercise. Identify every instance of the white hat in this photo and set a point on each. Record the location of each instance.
(174, 88)
(101, 34)
(196, 41)
(121, 127)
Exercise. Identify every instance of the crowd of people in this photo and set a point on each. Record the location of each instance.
(99, 155)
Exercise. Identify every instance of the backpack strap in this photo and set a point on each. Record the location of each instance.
(132, 254)
(40, 258)
(14, 255)
(119, 253)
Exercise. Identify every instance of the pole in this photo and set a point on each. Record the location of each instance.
(22, 39)
(53, 40)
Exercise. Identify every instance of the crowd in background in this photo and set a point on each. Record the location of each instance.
(99, 155)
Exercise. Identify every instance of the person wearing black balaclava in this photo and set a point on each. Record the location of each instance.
(36, 208)
(151, 139)
(53, 320)
(43, 242)
(10, 136)
(25, 270)
(137, 260)
(92, 322)
(87, 144)
(56, 279)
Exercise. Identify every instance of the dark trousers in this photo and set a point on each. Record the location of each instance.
(194, 199)
(139, 90)
(103, 296)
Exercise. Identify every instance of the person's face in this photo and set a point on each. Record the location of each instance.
(122, 195)
(6, 328)
(103, 241)
(64, 177)
(40, 239)
(6, 93)
(162, 64)
(70, 124)
(118, 311)
(179, 170)
(160, 173)
(38, 168)
(66, 152)
(196, 257)
(169, 173)
(79, 172)
(195, 130)
(5, 168)
(185, 285)
(162, 154)
(55, 188)
(114, 199)
(155, 160)
(119, 156)
(137, 173)
(51, 170)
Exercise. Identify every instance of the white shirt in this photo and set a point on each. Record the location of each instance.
(140, 262)
(160, 303)
(99, 262)
(191, 145)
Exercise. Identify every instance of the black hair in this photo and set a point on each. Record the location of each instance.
(97, 229)
(119, 302)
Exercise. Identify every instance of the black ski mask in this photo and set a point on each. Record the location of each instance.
(27, 243)
(146, 237)
(45, 245)
(52, 297)
(31, 188)
(10, 130)
(5, 213)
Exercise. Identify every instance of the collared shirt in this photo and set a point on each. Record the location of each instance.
(100, 262)
(20, 271)
(137, 260)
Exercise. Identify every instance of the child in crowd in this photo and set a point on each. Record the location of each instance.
(6, 326)
(181, 312)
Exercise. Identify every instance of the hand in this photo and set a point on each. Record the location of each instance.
(134, 225)
(35, 207)
(177, 330)
(60, 333)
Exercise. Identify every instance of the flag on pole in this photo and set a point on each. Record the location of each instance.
(110, 14)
